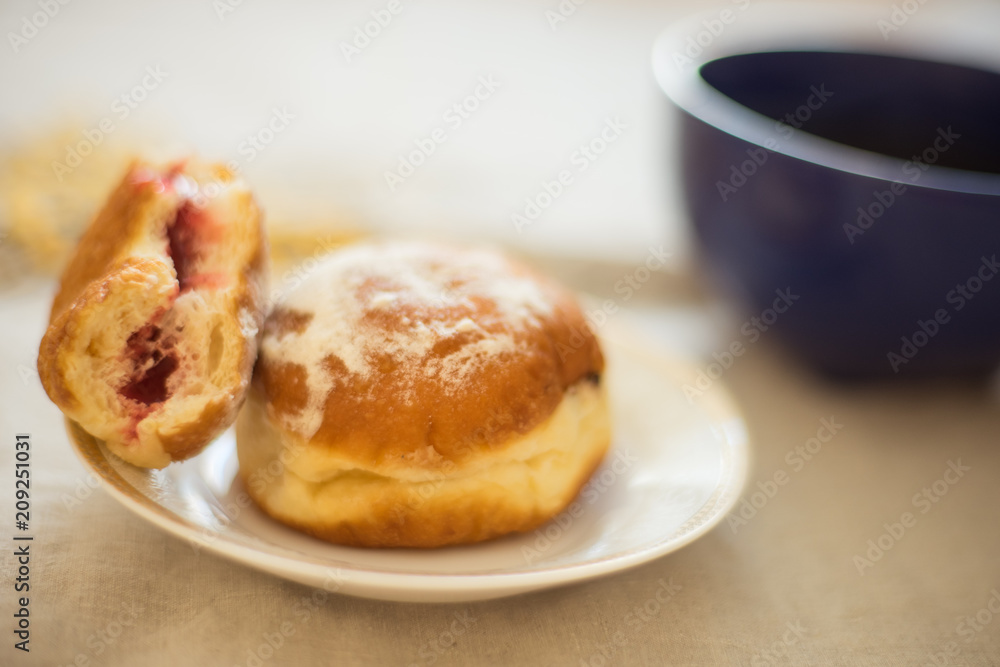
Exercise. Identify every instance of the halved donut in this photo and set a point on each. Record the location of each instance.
(153, 332)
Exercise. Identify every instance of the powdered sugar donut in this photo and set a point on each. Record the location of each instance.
(418, 395)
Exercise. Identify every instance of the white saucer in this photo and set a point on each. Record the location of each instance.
(675, 469)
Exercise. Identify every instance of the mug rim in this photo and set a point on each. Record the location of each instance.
(823, 29)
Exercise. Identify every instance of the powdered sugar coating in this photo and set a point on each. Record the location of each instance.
(404, 313)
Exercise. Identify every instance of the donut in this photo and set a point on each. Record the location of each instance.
(419, 395)
(153, 331)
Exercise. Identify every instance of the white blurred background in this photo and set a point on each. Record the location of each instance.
(563, 70)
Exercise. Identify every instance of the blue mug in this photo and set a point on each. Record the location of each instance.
(864, 182)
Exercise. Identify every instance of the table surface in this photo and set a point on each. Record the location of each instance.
(791, 577)
(869, 532)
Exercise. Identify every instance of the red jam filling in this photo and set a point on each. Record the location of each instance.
(151, 387)
(191, 231)
(183, 243)
(148, 384)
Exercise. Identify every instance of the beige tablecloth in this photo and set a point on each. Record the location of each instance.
(868, 537)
